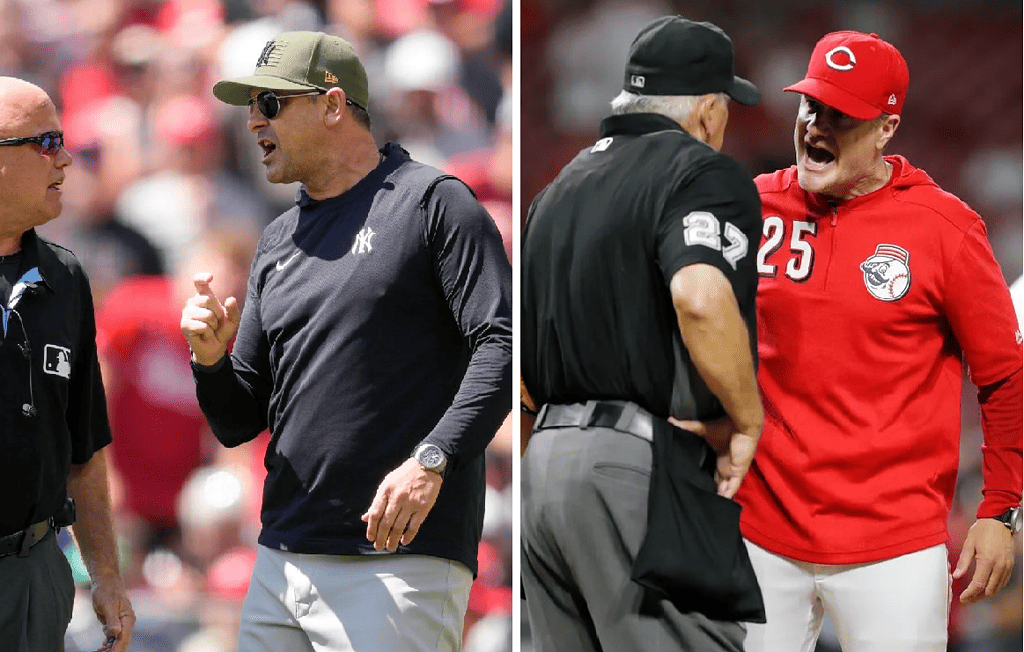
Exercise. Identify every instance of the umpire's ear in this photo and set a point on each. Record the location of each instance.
(712, 115)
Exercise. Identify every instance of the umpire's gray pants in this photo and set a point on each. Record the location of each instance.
(37, 594)
(584, 512)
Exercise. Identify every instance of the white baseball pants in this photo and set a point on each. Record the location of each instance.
(329, 603)
(896, 604)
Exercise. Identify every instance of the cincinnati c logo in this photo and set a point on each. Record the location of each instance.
(833, 61)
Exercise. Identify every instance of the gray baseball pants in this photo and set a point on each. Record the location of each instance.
(584, 511)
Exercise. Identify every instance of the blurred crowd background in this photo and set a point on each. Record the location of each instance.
(962, 124)
(166, 181)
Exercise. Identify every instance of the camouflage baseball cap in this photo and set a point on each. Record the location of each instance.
(301, 61)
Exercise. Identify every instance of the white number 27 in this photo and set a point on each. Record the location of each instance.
(703, 228)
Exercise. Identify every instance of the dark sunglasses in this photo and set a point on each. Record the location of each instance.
(269, 103)
(51, 142)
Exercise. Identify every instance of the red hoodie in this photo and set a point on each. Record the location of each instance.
(866, 309)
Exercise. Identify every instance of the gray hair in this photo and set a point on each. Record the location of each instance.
(674, 107)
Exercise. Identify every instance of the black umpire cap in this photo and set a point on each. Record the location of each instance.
(676, 56)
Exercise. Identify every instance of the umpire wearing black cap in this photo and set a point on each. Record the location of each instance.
(638, 285)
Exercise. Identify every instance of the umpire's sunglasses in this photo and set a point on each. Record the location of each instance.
(50, 143)
(269, 103)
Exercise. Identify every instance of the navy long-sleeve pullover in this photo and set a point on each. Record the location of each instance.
(373, 321)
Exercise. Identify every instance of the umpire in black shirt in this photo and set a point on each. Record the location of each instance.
(53, 414)
(638, 286)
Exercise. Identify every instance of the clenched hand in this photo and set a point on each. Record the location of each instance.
(115, 613)
(208, 324)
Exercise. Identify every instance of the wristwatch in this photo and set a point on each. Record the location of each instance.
(1012, 518)
(431, 458)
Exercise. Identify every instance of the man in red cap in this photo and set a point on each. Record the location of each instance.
(874, 284)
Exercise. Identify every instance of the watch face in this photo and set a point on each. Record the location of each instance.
(1016, 519)
(431, 457)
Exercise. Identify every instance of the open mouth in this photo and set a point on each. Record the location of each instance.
(818, 155)
(56, 185)
(268, 148)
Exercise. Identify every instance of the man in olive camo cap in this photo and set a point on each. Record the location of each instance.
(376, 346)
(301, 61)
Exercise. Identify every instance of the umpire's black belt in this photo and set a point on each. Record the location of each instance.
(623, 416)
(20, 541)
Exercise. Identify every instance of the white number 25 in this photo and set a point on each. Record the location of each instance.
(703, 228)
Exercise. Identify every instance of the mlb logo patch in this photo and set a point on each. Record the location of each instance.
(637, 81)
(57, 360)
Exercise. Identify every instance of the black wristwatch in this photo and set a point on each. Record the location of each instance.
(1012, 519)
(431, 458)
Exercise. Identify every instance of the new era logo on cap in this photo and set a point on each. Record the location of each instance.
(636, 80)
(858, 74)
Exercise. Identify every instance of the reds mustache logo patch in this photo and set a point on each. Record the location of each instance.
(887, 272)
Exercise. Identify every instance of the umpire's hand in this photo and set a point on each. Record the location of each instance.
(735, 450)
(402, 503)
(208, 324)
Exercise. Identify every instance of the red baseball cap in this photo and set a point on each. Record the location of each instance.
(858, 74)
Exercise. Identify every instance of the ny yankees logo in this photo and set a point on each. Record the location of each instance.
(362, 244)
(268, 49)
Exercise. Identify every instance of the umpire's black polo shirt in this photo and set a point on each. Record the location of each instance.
(52, 407)
(600, 246)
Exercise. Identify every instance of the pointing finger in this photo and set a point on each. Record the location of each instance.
(202, 282)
